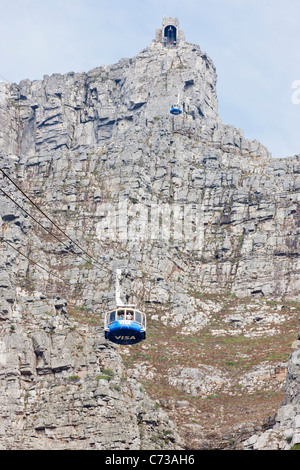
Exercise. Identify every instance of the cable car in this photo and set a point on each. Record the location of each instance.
(175, 110)
(125, 325)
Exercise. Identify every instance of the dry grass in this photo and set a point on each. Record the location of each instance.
(217, 414)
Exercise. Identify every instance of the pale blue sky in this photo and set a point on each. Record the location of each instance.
(255, 45)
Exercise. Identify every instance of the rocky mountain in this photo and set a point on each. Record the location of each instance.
(205, 222)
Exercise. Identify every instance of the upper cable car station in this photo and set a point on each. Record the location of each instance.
(170, 34)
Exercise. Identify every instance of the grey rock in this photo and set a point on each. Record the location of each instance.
(188, 203)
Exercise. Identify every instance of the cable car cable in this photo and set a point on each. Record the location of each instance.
(2, 239)
(39, 223)
(45, 215)
(27, 213)
(110, 271)
(3, 78)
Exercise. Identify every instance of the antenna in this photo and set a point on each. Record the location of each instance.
(118, 288)
(120, 297)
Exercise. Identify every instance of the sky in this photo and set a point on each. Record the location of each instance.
(254, 44)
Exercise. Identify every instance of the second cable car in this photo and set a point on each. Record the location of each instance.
(175, 110)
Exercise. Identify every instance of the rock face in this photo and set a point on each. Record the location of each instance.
(191, 183)
(186, 203)
(285, 434)
(64, 387)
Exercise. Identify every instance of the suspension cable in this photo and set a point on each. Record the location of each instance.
(39, 223)
(2, 239)
(27, 213)
(110, 271)
(3, 78)
(50, 220)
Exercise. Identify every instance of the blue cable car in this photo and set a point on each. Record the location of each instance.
(125, 325)
(175, 110)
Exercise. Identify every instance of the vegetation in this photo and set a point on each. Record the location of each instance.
(232, 351)
(107, 374)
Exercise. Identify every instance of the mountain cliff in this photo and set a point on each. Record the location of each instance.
(206, 224)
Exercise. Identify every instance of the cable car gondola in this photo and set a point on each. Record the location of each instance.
(175, 110)
(125, 325)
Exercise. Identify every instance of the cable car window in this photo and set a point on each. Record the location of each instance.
(138, 317)
(129, 314)
(144, 320)
(121, 314)
(112, 317)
